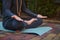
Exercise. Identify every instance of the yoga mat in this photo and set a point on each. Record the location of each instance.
(39, 30)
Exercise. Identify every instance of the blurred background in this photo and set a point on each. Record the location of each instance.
(50, 8)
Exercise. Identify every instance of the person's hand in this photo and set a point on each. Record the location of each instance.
(40, 16)
(30, 21)
(17, 18)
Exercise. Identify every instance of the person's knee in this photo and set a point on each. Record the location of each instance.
(40, 20)
(18, 25)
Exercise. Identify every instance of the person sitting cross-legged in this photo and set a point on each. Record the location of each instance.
(12, 21)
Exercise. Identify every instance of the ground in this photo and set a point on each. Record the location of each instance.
(51, 35)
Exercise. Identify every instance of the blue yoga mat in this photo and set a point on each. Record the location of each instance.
(39, 30)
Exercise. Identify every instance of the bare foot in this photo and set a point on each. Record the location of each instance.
(30, 21)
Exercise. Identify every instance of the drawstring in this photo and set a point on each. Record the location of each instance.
(19, 11)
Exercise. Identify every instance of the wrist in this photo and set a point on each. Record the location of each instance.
(39, 15)
(13, 16)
